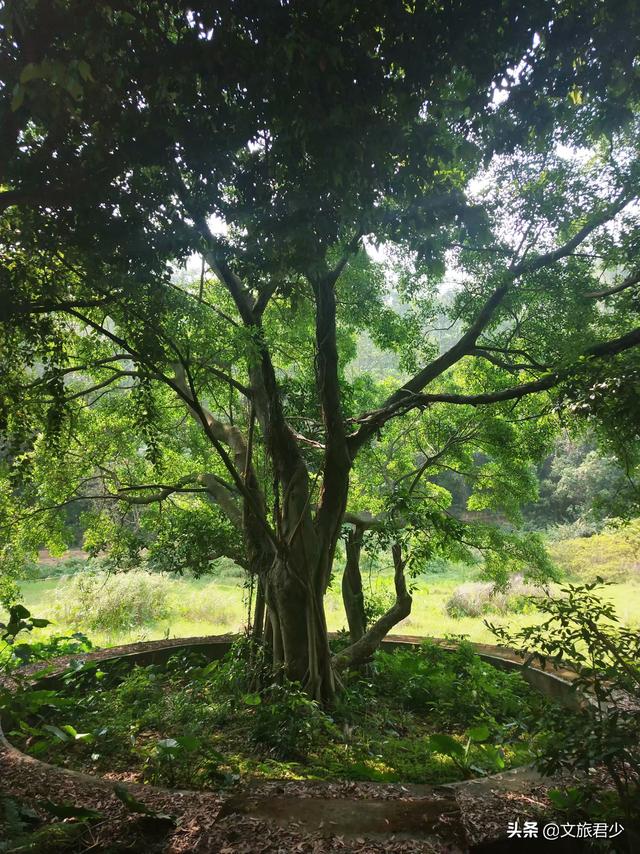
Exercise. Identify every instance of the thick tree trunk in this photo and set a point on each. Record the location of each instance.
(352, 595)
(298, 630)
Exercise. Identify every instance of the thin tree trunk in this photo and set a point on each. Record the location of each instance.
(352, 595)
(257, 629)
(362, 651)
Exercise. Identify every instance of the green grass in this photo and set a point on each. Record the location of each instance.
(197, 606)
(218, 606)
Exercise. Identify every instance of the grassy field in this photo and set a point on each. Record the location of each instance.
(217, 605)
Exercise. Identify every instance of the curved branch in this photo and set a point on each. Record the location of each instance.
(468, 340)
(188, 396)
(631, 280)
(362, 651)
(115, 376)
(549, 380)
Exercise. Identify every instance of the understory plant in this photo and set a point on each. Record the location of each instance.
(200, 724)
(580, 629)
(453, 684)
(21, 827)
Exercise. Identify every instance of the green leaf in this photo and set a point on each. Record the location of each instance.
(77, 736)
(479, 733)
(447, 745)
(54, 730)
(495, 756)
(557, 798)
(251, 699)
(189, 742)
(84, 70)
(134, 805)
(74, 87)
(130, 801)
(30, 72)
(18, 97)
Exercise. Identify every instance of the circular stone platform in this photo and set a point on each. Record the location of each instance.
(432, 817)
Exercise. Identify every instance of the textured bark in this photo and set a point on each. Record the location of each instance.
(258, 627)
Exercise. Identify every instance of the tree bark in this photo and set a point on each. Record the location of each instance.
(352, 595)
(297, 632)
(258, 627)
(362, 651)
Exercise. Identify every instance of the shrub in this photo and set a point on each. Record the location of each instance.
(226, 570)
(454, 686)
(602, 730)
(581, 528)
(113, 603)
(66, 566)
(25, 653)
(377, 601)
(440, 565)
(469, 600)
(612, 555)
(286, 721)
(482, 597)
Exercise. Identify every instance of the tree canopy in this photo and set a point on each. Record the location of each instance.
(340, 169)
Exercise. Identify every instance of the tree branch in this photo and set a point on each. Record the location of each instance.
(511, 367)
(467, 341)
(115, 376)
(188, 396)
(362, 651)
(54, 305)
(549, 380)
(337, 459)
(631, 280)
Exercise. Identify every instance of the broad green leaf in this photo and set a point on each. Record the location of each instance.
(479, 733)
(85, 70)
(188, 742)
(447, 745)
(31, 71)
(54, 730)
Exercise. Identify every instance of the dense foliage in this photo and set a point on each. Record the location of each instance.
(581, 630)
(199, 724)
(203, 210)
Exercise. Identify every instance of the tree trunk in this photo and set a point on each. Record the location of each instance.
(362, 651)
(257, 629)
(298, 630)
(352, 596)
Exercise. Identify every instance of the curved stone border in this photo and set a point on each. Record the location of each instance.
(555, 685)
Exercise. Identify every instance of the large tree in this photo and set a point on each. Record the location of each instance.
(493, 141)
